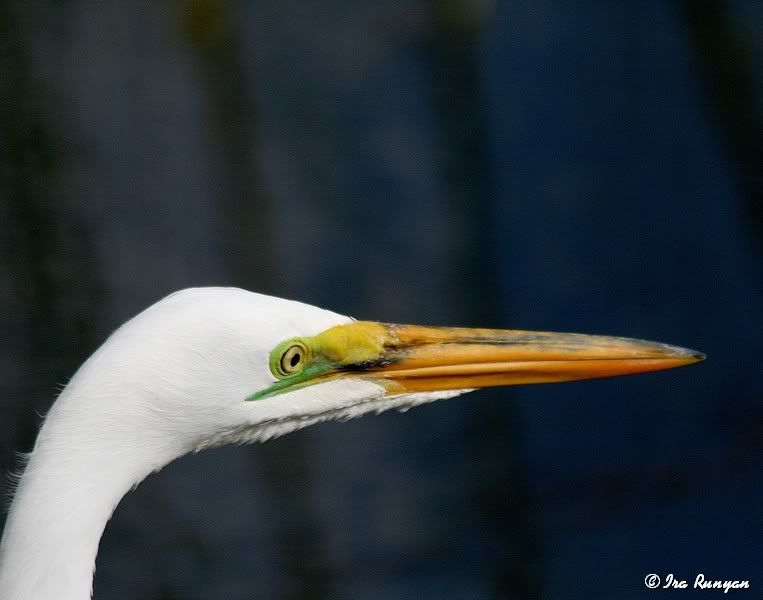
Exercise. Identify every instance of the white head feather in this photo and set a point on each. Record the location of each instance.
(172, 380)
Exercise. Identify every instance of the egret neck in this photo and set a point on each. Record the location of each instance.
(73, 480)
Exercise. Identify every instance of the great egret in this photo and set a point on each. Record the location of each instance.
(211, 366)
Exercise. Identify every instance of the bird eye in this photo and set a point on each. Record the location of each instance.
(293, 360)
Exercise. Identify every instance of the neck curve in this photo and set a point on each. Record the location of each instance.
(64, 499)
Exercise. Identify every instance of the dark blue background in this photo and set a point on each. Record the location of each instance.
(570, 166)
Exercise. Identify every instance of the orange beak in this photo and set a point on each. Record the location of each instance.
(423, 359)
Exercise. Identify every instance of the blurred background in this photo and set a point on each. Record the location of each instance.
(570, 166)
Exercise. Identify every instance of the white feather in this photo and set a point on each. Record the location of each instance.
(173, 380)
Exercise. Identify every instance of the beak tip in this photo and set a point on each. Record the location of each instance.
(694, 355)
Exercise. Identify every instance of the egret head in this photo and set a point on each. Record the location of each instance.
(212, 366)
(218, 365)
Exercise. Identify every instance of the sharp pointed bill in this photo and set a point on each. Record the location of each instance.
(410, 358)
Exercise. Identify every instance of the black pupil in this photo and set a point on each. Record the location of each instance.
(295, 358)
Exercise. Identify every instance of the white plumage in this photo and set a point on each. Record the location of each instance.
(212, 366)
(171, 381)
